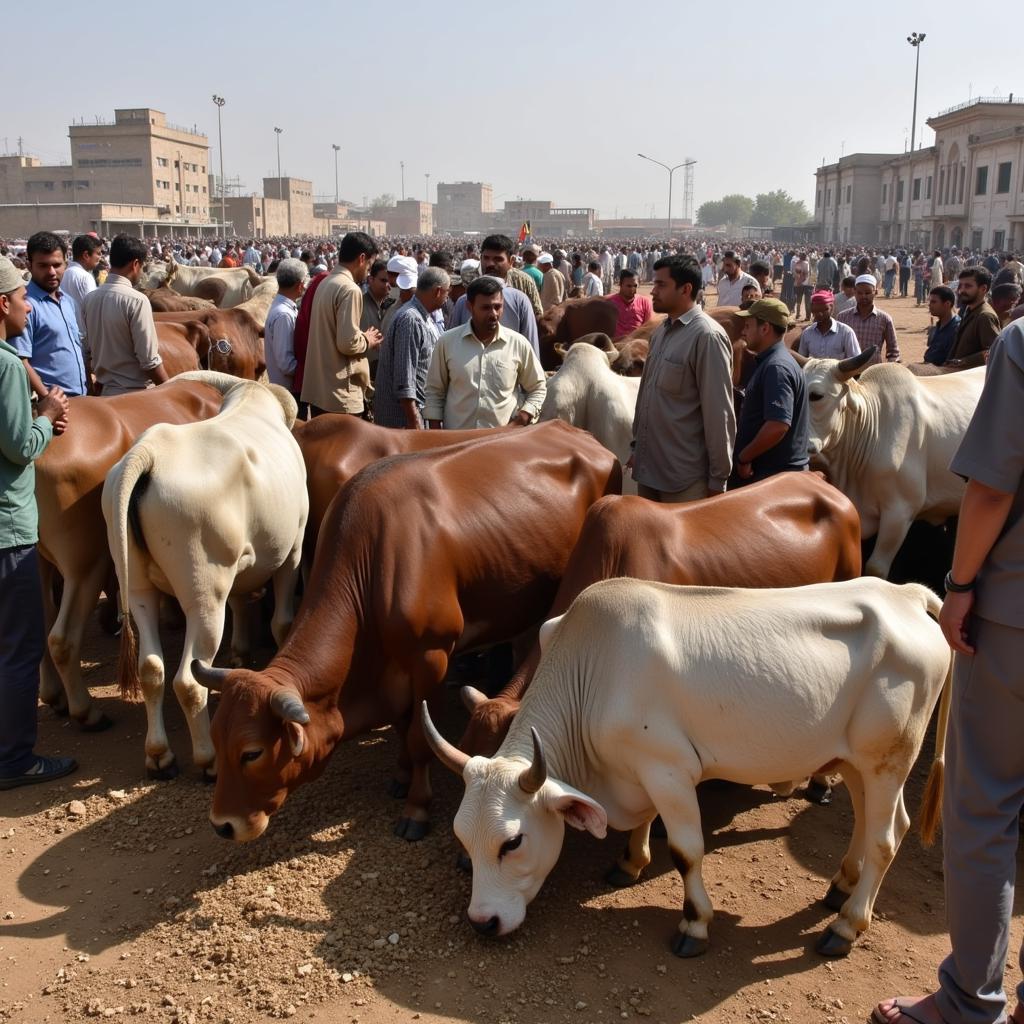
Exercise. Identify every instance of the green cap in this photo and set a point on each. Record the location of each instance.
(774, 311)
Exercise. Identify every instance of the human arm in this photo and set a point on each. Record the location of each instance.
(407, 337)
(436, 389)
(851, 346)
(22, 438)
(533, 382)
(892, 346)
(35, 383)
(145, 341)
(532, 294)
(714, 382)
(349, 339)
(528, 327)
(777, 416)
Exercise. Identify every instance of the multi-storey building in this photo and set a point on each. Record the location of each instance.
(464, 206)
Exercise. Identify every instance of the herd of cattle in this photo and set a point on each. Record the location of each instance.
(733, 638)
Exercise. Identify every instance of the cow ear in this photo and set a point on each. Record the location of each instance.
(578, 809)
(296, 736)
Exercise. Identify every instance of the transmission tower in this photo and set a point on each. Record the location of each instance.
(688, 192)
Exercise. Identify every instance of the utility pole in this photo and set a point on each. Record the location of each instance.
(220, 101)
(336, 147)
(915, 39)
(671, 171)
(427, 176)
(280, 183)
(402, 163)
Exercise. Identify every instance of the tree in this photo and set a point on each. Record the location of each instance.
(387, 199)
(732, 209)
(778, 209)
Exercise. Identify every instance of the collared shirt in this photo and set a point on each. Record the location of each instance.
(592, 285)
(77, 282)
(51, 341)
(472, 384)
(404, 360)
(843, 302)
(516, 315)
(120, 336)
(22, 441)
(730, 293)
(838, 342)
(632, 314)
(827, 270)
(279, 341)
(684, 426)
(373, 311)
(874, 329)
(776, 393)
(553, 290)
(940, 341)
(536, 274)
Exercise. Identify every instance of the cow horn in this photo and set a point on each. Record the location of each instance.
(451, 757)
(848, 368)
(801, 360)
(288, 706)
(536, 775)
(472, 698)
(208, 676)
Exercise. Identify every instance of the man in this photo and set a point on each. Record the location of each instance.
(79, 278)
(827, 338)
(937, 269)
(607, 268)
(890, 266)
(22, 440)
(1011, 272)
(905, 265)
(871, 325)
(592, 284)
(751, 293)
(476, 368)
(983, 620)
(251, 257)
(774, 427)
(376, 300)
(826, 272)
(51, 344)
(633, 309)
(530, 254)
(730, 285)
(942, 306)
(336, 371)
(121, 345)
(684, 425)
(279, 329)
(847, 297)
(496, 260)
(552, 290)
(1004, 298)
(979, 323)
(801, 268)
(405, 286)
(762, 274)
(400, 390)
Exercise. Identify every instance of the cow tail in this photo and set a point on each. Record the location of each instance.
(123, 515)
(931, 806)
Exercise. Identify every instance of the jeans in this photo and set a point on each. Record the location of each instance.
(890, 280)
(919, 288)
(904, 281)
(803, 291)
(21, 649)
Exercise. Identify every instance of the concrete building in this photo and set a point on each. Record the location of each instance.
(546, 220)
(298, 194)
(406, 217)
(19, 220)
(464, 206)
(966, 189)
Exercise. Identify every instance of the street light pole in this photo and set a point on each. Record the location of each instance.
(280, 183)
(220, 101)
(915, 39)
(402, 164)
(671, 171)
(427, 197)
(336, 193)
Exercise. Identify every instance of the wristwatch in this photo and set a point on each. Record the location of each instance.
(952, 587)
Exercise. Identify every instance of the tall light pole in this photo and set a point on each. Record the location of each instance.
(671, 171)
(280, 183)
(336, 147)
(220, 101)
(427, 176)
(402, 164)
(915, 39)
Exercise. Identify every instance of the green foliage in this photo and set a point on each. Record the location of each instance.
(778, 209)
(734, 209)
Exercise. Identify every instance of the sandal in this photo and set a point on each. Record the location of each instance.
(903, 1014)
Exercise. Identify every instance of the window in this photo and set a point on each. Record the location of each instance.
(975, 239)
(899, 191)
(999, 240)
(928, 188)
(177, 209)
(916, 191)
(849, 194)
(942, 183)
(161, 161)
(1003, 178)
(828, 197)
(885, 192)
(981, 183)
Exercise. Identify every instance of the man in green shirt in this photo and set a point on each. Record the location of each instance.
(22, 440)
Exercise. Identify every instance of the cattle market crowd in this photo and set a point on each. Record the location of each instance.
(666, 440)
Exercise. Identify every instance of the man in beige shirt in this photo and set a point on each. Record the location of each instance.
(337, 372)
(477, 367)
(120, 344)
(553, 291)
(684, 427)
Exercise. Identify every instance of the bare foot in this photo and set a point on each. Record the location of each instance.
(907, 1010)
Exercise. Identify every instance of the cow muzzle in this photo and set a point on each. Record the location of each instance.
(491, 926)
(240, 830)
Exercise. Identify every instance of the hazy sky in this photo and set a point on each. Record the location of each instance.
(544, 100)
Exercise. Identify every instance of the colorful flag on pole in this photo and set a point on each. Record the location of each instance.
(524, 232)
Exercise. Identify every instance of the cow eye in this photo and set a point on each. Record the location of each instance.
(816, 398)
(251, 755)
(509, 845)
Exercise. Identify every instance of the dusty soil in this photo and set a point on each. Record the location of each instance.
(128, 906)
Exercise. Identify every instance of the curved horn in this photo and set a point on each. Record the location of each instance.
(451, 757)
(536, 775)
(472, 698)
(801, 360)
(288, 706)
(848, 368)
(210, 677)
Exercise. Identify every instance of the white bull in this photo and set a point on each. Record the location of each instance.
(206, 512)
(239, 282)
(643, 691)
(588, 394)
(887, 440)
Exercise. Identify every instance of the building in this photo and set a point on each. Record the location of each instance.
(298, 194)
(406, 217)
(546, 220)
(641, 227)
(965, 190)
(464, 206)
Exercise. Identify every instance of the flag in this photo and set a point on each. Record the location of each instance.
(524, 232)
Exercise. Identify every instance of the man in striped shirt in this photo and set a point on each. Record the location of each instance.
(872, 326)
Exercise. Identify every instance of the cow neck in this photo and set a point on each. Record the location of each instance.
(856, 437)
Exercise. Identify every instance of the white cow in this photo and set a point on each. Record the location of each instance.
(587, 393)
(239, 281)
(834, 676)
(206, 512)
(887, 440)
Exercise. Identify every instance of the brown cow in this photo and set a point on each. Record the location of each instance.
(787, 531)
(235, 340)
(72, 531)
(180, 345)
(425, 555)
(572, 319)
(166, 300)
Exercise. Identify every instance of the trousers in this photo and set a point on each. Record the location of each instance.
(803, 291)
(692, 493)
(21, 649)
(982, 800)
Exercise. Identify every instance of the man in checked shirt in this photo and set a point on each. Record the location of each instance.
(871, 325)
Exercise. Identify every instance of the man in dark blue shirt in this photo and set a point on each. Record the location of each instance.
(942, 306)
(773, 429)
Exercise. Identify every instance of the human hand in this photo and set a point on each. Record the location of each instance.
(373, 337)
(744, 470)
(630, 464)
(954, 619)
(521, 419)
(54, 406)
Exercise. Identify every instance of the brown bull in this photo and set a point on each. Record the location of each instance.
(565, 323)
(424, 556)
(72, 531)
(787, 531)
(166, 300)
(180, 345)
(235, 343)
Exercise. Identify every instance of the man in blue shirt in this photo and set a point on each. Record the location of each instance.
(517, 314)
(942, 306)
(51, 344)
(773, 428)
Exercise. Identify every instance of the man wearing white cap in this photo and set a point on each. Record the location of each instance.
(872, 326)
(405, 284)
(552, 290)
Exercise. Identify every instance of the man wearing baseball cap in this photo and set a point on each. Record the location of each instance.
(773, 429)
(22, 440)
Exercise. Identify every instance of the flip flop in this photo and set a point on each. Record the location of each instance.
(903, 1014)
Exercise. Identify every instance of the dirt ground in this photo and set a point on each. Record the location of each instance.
(118, 901)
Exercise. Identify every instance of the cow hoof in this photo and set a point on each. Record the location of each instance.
(687, 946)
(59, 707)
(102, 724)
(166, 774)
(209, 776)
(463, 863)
(658, 830)
(397, 789)
(816, 793)
(619, 878)
(835, 898)
(411, 830)
(832, 944)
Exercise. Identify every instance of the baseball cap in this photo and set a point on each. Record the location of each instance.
(774, 311)
(10, 277)
(545, 257)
